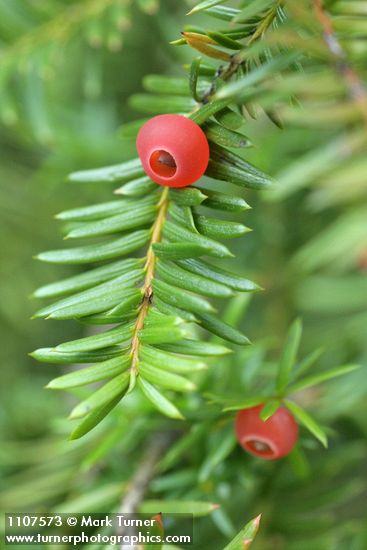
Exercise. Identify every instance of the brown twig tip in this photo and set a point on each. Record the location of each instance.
(257, 520)
(214, 506)
(254, 525)
(159, 519)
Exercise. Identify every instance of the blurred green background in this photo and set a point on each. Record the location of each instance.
(67, 69)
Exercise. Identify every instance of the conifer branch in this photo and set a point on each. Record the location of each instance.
(158, 281)
(171, 294)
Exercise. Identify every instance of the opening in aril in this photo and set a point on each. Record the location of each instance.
(163, 163)
(259, 447)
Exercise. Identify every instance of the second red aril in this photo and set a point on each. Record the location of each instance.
(272, 439)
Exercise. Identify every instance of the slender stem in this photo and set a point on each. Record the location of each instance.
(140, 481)
(143, 475)
(149, 269)
(354, 84)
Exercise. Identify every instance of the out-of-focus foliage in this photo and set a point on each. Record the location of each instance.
(56, 54)
(308, 251)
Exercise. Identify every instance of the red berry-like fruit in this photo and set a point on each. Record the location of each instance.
(271, 439)
(173, 150)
